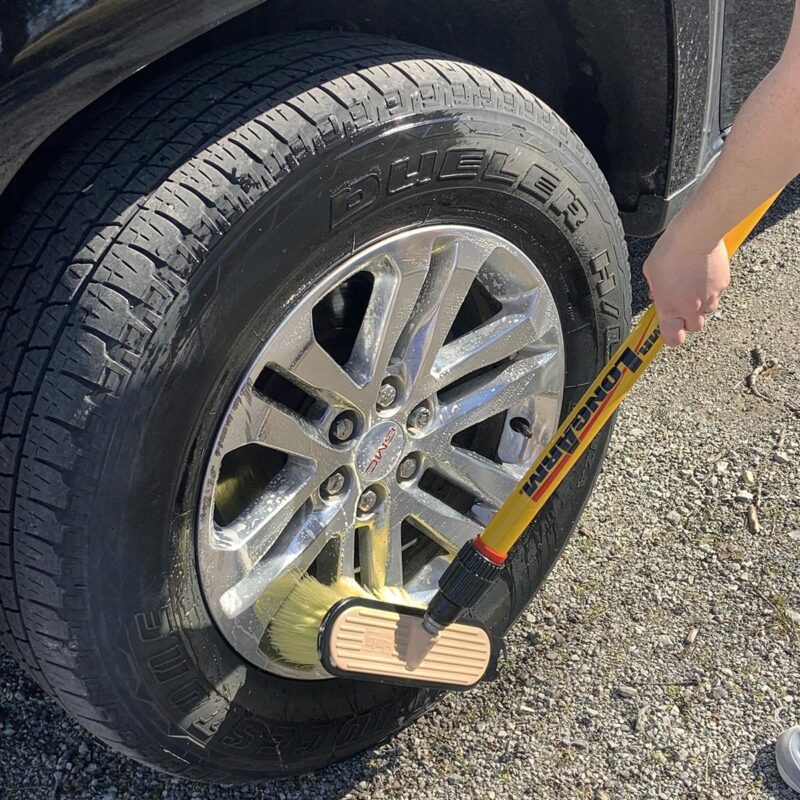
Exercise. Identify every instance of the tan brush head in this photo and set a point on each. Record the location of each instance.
(369, 640)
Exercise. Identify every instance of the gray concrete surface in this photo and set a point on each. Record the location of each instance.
(661, 659)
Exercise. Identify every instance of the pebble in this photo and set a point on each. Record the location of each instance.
(580, 744)
(743, 494)
(627, 692)
(749, 477)
(781, 457)
(674, 517)
(691, 636)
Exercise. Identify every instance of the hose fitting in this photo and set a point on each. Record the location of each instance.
(469, 576)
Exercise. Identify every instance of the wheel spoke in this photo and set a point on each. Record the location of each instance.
(488, 481)
(397, 283)
(489, 344)
(257, 419)
(304, 361)
(380, 548)
(483, 398)
(293, 551)
(454, 266)
(258, 527)
(444, 525)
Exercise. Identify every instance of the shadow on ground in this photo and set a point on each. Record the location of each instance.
(765, 770)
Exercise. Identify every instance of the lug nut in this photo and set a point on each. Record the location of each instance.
(419, 417)
(342, 428)
(333, 484)
(386, 395)
(367, 501)
(407, 468)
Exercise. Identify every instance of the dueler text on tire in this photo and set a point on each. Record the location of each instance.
(203, 224)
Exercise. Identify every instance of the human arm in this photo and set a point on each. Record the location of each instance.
(688, 269)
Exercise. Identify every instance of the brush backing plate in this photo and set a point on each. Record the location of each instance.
(368, 640)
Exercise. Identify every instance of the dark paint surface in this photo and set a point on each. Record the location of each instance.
(691, 18)
(605, 65)
(613, 69)
(755, 34)
(58, 56)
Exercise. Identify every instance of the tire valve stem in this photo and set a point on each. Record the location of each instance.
(522, 426)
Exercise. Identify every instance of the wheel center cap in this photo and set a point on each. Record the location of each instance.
(380, 451)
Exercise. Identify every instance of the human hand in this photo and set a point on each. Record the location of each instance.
(686, 282)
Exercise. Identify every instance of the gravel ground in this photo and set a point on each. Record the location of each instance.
(661, 659)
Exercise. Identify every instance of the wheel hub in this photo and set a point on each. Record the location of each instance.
(385, 420)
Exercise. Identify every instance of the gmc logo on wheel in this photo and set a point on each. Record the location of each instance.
(382, 447)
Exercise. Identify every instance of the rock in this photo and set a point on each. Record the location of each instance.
(794, 535)
(580, 744)
(664, 641)
(629, 692)
(718, 693)
(749, 477)
(793, 615)
(722, 467)
(781, 457)
(691, 636)
(674, 517)
(743, 494)
(753, 525)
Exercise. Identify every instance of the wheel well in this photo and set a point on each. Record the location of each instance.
(606, 68)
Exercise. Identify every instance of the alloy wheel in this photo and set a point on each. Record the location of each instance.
(380, 427)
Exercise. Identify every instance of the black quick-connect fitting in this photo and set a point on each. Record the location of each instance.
(467, 579)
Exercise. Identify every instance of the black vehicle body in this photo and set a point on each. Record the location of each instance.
(650, 86)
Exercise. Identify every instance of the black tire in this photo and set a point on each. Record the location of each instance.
(131, 304)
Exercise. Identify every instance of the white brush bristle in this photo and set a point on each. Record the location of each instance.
(294, 629)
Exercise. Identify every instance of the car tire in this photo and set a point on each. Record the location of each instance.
(139, 278)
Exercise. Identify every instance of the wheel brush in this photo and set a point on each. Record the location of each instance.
(367, 635)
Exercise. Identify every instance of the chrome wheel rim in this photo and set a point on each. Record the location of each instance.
(380, 427)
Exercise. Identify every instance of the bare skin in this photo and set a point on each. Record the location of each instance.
(688, 269)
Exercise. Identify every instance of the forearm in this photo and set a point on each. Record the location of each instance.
(760, 156)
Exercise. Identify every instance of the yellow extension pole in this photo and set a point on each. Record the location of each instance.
(588, 417)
